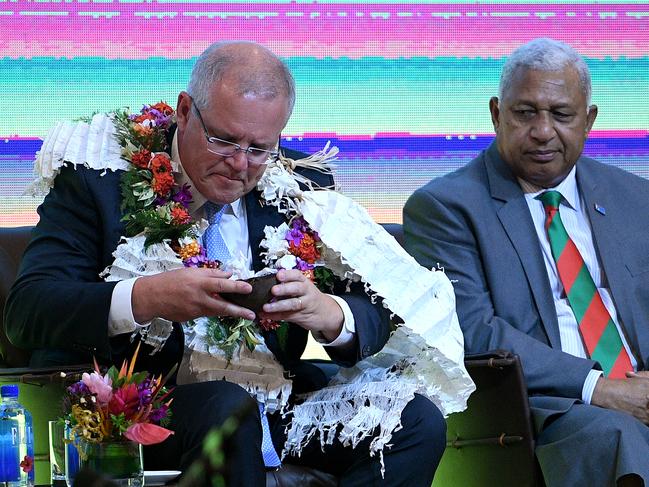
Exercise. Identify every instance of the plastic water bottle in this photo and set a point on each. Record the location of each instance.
(16, 441)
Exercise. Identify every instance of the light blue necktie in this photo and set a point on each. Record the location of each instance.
(271, 459)
(212, 238)
(216, 249)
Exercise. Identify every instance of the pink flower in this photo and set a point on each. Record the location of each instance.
(102, 387)
(147, 433)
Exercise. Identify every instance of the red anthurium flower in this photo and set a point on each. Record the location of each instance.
(147, 433)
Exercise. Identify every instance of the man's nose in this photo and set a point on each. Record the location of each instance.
(238, 160)
(543, 127)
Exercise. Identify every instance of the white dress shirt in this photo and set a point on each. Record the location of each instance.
(576, 222)
(234, 230)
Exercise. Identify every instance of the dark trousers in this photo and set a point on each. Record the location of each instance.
(411, 461)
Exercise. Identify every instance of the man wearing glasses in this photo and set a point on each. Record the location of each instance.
(229, 121)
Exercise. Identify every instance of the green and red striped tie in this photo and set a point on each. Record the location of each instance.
(598, 331)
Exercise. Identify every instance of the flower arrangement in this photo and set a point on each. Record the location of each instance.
(117, 406)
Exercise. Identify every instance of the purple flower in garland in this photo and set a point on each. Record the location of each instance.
(160, 201)
(303, 265)
(183, 196)
(196, 260)
(296, 232)
(294, 236)
(201, 260)
(160, 119)
(298, 229)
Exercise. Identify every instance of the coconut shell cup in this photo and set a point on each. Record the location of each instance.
(259, 296)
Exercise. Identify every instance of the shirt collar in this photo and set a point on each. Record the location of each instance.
(567, 188)
(198, 199)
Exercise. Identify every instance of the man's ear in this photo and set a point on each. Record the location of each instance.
(495, 112)
(590, 118)
(183, 107)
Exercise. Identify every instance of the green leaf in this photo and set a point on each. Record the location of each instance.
(113, 373)
(282, 334)
(120, 423)
(324, 279)
(138, 377)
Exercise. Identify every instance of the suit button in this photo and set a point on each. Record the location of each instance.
(366, 351)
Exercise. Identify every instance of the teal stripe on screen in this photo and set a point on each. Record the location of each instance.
(346, 96)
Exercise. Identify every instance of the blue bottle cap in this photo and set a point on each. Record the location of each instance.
(10, 390)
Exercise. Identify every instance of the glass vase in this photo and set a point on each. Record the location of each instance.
(121, 461)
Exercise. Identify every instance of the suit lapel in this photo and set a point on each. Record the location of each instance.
(515, 217)
(258, 217)
(606, 241)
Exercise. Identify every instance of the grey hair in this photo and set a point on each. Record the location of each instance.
(545, 54)
(261, 73)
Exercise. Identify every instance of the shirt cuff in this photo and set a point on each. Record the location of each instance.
(120, 316)
(589, 385)
(348, 331)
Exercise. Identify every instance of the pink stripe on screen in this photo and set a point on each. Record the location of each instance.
(313, 29)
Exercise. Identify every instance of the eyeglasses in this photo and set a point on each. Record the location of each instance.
(225, 148)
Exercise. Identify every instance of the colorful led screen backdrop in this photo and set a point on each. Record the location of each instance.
(402, 88)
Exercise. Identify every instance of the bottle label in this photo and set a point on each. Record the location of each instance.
(9, 450)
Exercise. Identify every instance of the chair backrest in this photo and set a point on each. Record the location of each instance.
(13, 242)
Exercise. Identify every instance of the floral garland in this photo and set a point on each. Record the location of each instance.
(153, 204)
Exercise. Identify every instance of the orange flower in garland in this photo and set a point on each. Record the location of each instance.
(162, 183)
(160, 164)
(143, 117)
(141, 158)
(309, 274)
(179, 215)
(163, 108)
(189, 250)
(306, 250)
(142, 130)
(163, 179)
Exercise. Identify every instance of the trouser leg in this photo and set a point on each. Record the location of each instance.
(411, 461)
(196, 409)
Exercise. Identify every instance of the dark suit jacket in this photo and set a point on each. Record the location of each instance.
(58, 306)
(476, 224)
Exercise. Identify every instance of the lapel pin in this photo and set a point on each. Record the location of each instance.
(600, 209)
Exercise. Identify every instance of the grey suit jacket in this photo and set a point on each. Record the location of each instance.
(476, 224)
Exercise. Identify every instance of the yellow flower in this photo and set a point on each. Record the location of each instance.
(89, 424)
